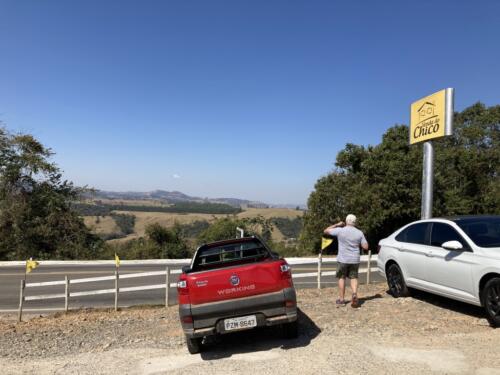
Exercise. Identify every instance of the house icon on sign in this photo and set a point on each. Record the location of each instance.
(426, 110)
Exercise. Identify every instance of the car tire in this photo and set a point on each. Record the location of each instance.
(396, 282)
(194, 344)
(490, 297)
(290, 330)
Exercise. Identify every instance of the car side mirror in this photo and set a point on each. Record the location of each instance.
(186, 269)
(452, 245)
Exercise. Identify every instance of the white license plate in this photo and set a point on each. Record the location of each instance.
(240, 323)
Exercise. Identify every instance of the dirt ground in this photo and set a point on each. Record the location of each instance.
(420, 334)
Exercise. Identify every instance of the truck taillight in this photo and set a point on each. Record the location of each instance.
(286, 271)
(285, 268)
(182, 286)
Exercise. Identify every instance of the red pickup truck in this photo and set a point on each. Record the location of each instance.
(234, 285)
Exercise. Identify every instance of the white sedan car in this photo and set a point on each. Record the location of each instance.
(457, 258)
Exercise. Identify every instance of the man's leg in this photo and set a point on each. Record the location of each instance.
(354, 286)
(342, 288)
(353, 275)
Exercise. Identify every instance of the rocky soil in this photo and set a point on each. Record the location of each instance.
(420, 334)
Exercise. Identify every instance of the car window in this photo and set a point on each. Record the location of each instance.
(416, 233)
(219, 256)
(442, 233)
(483, 231)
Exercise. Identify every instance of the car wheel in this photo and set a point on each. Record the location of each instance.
(490, 296)
(396, 282)
(194, 344)
(290, 330)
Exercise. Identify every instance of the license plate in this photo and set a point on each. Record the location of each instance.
(240, 323)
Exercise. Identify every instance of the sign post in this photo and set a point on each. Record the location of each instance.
(430, 118)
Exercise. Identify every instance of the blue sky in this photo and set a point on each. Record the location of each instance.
(249, 99)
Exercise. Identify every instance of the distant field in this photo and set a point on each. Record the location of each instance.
(107, 224)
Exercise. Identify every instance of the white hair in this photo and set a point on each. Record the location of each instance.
(350, 219)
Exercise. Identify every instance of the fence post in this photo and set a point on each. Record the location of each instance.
(368, 271)
(167, 286)
(66, 293)
(116, 290)
(21, 300)
(320, 256)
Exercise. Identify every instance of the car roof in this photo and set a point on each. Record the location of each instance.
(470, 217)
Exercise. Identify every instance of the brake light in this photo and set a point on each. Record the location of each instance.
(187, 319)
(289, 303)
(285, 268)
(182, 286)
(286, 271)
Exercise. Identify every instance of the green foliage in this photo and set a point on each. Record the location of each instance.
(193, 230)
(290, 228)
(36, 219)
(160, 243)
(382, 184)
(225, 228)
(125, 222)
(87, 209)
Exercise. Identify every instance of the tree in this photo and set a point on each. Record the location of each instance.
(225, 228)
(36, 218)
(382, 184)
(169, 241)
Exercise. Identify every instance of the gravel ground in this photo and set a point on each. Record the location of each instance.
(422, 334)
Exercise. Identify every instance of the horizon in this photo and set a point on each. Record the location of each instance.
(231, 99)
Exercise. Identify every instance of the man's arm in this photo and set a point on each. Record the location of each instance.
(338, 225)
(364, 243)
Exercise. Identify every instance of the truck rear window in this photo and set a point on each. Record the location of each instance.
(230, 255)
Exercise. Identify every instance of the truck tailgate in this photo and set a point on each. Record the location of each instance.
(234, 282)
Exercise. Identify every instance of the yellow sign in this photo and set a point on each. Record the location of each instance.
(325, 242)
(31, 265)
(117, 261)
(431, 117)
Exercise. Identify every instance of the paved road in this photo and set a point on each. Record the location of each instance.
(10, 279)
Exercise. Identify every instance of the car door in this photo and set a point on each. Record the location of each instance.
(450, 271)
(412, 250)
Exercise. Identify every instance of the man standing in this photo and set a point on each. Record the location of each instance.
(350, 239)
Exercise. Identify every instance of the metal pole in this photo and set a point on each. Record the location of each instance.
(427, 180)
(242, 232)
(167, 287)
(116, 290)
(66, 293)
(21, 300)
(368, 271)
(319, 269)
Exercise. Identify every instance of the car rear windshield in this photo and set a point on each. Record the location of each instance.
(484, 232)
(231, 254)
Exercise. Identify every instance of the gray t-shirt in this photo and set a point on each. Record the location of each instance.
(350, 238)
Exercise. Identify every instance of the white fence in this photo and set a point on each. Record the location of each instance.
(166, 285)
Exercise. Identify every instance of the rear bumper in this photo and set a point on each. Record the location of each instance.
(269, 309)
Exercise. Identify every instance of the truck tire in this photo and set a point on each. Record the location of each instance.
(193, 344)
(290, 330)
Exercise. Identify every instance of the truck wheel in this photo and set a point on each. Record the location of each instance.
(194, 344)
(490, 296)
(290, 330)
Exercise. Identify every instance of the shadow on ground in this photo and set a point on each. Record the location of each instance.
(260, 339)
(363, 300)
(448, 303)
